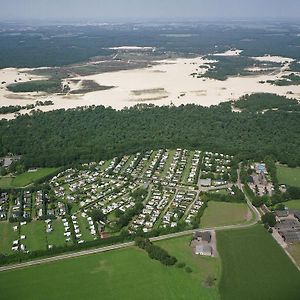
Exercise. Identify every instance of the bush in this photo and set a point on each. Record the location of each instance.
(188, 269)
(180, 265)
(269, 219)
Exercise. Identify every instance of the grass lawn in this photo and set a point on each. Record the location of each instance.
(293, 204)
(28, 177)
(35, 232)
(187, 169)
(168, 163)
(294, 250)
(5, 182)
(289, 176)
(254, 267)
(7, 236)
(121, 274)
(224, 213)
(84, 228)
(202, 266)
(56, 237)
(221, 192)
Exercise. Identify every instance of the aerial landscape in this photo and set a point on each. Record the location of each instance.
(150, 150)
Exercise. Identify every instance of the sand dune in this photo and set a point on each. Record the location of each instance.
(170, 81)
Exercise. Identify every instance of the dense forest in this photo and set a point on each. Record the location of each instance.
(63, 137)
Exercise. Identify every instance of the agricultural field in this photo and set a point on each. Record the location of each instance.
(293, 204)
(122, 274)
(251, 260)
(223, 213)
(289, 176)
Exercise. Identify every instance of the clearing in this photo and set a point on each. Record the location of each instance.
(225, 213)
(289, 176)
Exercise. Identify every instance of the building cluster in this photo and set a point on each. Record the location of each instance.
(259, 180)
(147, 219)
(216, 167)
(4, 205)
(288, 225)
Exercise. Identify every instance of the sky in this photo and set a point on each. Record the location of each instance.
(105, 10)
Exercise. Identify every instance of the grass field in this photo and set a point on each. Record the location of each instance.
(121, 274)
(35, 232)
(224, 213)
(56, 237)
(7, 236)
(289, 176)
(187, 169)
(5, 182)
(254, 267)
(293, 204)
(202, 266)
(28, 177)
(84, 228)
(294, 250)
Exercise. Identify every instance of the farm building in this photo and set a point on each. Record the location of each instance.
(203, 249)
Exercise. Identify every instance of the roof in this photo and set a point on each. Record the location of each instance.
(205, 182)
(205, 236)
(203, 249)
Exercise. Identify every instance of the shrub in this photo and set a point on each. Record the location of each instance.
(188, 269)
(180, 265)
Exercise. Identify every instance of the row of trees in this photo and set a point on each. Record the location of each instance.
(155, 252)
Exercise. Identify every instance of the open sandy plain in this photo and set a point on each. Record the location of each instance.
(169, 81)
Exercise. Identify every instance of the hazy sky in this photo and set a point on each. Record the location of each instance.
(102, 10)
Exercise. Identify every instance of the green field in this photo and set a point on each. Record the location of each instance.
(289, 176)
(56, 237)
(28, 177)
(5, 182)
(293, 204)
(84, 228)
(202, 266)
(187, 169)
(254, 267)
(7, 236)
(294, 250)
(224, 213)
(121, 274)
(35, 233)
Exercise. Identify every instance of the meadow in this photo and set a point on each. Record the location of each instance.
(25, 178)
(289, 176)
(7, 236)
(254, 266)
(121, 274)
(293, 204)
(224, 213)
